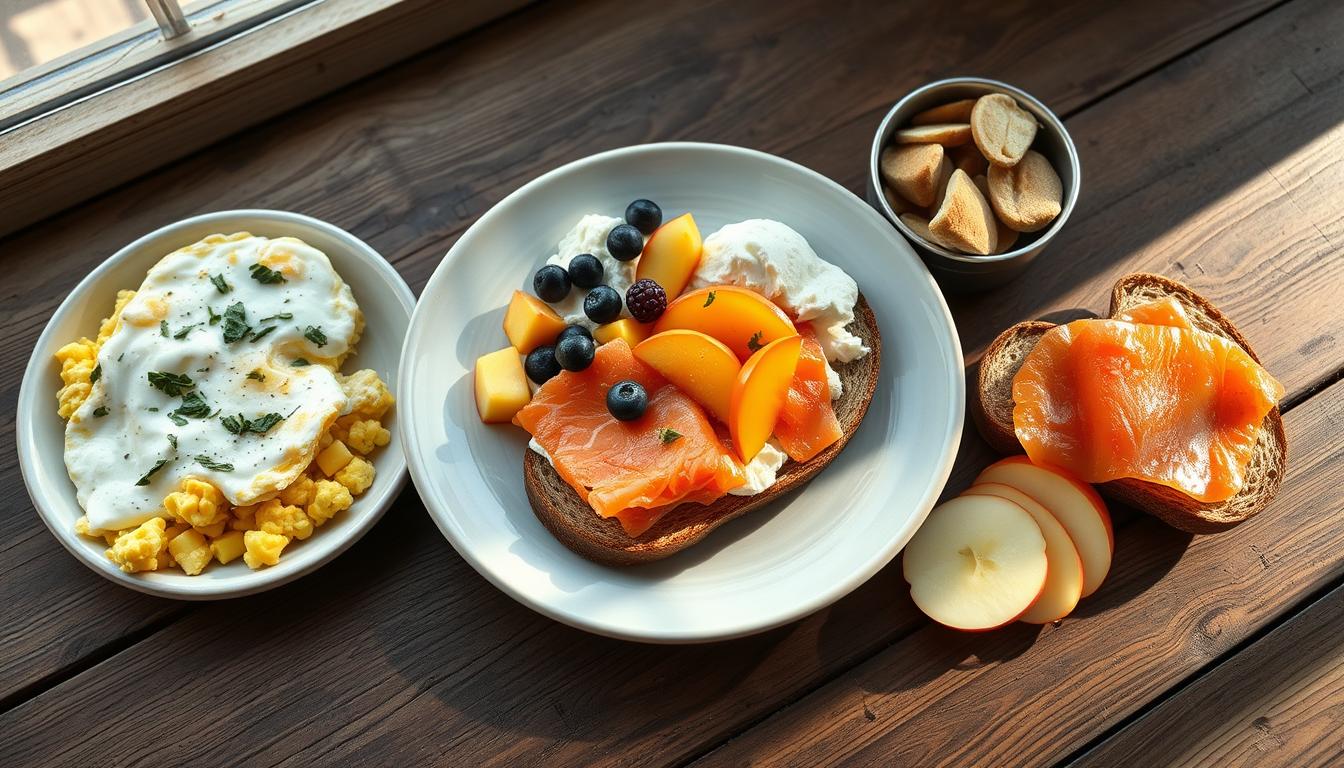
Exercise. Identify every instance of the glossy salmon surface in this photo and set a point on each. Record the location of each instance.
(1156, 400)
(807, 424)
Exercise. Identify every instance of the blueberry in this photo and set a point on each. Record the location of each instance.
(575, 353)
(541, 365)
(644, 215)
(627, 400)
(585, 270)
(551, 283)
(573, 330)
(602, 304)
(624, 242)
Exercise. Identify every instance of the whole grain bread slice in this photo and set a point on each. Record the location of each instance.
(577, 526)
(992, 411)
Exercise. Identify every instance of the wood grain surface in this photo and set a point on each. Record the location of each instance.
(1277, 704)
(1199, 161)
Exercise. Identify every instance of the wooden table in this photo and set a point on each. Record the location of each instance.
(1211, 149)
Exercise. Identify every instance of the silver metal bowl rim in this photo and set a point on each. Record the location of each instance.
(1054, 123)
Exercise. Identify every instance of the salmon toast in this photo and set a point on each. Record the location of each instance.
(807, 424)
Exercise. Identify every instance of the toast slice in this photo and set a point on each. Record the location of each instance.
(577, 526)
(992, 412)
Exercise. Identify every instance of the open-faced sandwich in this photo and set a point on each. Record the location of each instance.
(671, 383)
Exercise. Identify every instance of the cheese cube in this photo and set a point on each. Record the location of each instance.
(333, 458)
(530, 323)
(228, 547)
(626, 328)
(191, 551)
(501, 385)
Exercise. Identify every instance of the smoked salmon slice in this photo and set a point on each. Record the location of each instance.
(629, 470)
(1156, 400)
(807, 424)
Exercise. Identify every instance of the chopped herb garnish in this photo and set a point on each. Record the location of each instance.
(215, 317)
(281, 316)
(220, 285)
(163, 328)
(265, 275)
(203, 370)
(193, 407)
(235, 322)
(178, 420)
(97, 373)
(240, 424)
(263, 333)
(299, 362)
(144, 480)
(172, 440)
(256, 375)
(172, 384)
(209, 463)
(315, 335)
(754, 343)
(152, 409)
(709, 299)
(182, 334)
(667, 435)
(100, 411)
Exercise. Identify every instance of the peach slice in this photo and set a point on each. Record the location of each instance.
(529, 322)
(1064, 579)
(671, 255)
(740, 318)
(759, 392)
(1075, 504)
(977, 563)
(626, 328)
(699, 365)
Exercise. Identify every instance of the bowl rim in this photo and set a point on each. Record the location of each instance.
(881, 556)
(1052, 122)
(29, 399)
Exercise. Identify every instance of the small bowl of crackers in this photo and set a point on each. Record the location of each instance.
(977, 174)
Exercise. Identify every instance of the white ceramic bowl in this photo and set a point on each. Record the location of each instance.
(387, 304)
(765, 569)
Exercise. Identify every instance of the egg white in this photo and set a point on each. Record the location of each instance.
(107, 455)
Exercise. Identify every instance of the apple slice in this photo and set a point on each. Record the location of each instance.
(1064, 583)
(759, 392)
(671, 255)
(977, 563)
(1077, 507)
(699, 365)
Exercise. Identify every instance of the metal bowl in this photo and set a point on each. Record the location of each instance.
(958, 271)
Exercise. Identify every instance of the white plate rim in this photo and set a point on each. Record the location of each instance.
(420, 473)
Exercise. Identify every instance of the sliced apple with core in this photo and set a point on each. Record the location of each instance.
(759, 392)
(671, 255)
(742, 319)
(1064, 582)
(699, 365)
(1074, 503)
(977, 563)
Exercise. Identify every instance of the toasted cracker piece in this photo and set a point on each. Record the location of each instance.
(1007, 235)
(964, 219)
(899, 205)
(947, 134)
(953, 112)
(1002, 130)
(1026, 197)
(920, 226)
(967, 157)
(944, 176)
(912, 171)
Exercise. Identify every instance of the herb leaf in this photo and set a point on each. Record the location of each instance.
(193, 407)
(754, 343)
(256, 375)
(163, 328)
(96, 374)
(178, 420)
(667, 435)
(100, 411)
(263, 333)
(172, 384)
(144, 479)
(220, 285)
(240, 424)
(182, 334)
(299, 362)
(281, 316)
(710, 298)
(315, 335)
(209, 463)
(265, 275)
(214, 316)
(172, 440)
(235, 322)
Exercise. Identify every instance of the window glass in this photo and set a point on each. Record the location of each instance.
(33, 32)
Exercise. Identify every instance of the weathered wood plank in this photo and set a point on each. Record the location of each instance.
(1277, 703)
(407, 159)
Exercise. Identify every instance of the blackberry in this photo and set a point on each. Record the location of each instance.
(646, 300)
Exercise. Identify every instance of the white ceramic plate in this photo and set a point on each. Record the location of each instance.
(387, 304)
(765, 569)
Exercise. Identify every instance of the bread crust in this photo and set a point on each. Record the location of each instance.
(992, 412)
(574, 523)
